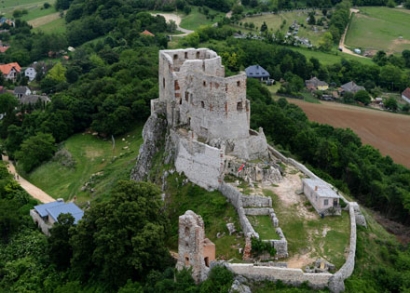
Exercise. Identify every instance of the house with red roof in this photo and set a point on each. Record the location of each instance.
(10, 70)
(147, 33)
(405, 95)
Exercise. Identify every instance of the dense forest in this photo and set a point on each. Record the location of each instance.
(107, 85)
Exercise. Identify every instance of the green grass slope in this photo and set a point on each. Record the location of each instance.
(380, 28)
(97, 163)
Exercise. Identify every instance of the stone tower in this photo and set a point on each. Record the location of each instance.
(194, 250)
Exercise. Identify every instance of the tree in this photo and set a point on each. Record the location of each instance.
(264, 27)
(391, 104)
(407, 4)
(35, 150)
(391, 4)
(60, 250)
(362, 96)
(57, 73)
(312, 19)
(326, 42)
(122, 238)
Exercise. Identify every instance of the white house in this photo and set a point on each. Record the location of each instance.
(321, 195)
(405, 95)
(30, 73)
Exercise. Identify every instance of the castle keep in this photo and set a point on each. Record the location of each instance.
(208, 115)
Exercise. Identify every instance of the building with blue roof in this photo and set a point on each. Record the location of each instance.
(45, 215)
(258, 72)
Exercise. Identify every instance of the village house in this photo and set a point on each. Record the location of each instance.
(45, 215)
(315, 84)
(258, 72)
(405, 95)
(321, 195)
(10, 70)
(33, 99)
(350, 87)
(20, 91)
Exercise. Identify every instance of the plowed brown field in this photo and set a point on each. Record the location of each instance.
(387, 132)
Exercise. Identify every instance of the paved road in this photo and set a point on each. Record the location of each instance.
(34, 191)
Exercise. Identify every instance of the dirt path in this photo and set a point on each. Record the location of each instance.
(44, 20)
(342, 39)
(34, 191)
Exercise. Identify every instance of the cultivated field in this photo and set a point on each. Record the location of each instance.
(380, 28)
(385, 131)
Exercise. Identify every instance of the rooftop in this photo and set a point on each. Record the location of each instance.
(322, 188)
(256, 71)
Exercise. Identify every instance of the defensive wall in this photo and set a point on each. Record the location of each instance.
(335, 281)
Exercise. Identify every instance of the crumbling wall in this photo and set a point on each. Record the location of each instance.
(191, 246)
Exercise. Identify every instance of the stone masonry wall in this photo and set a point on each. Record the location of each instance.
(256, 201)
(235, 197)
(290, 276)
(200, 162)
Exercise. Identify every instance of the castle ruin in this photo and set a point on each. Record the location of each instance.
(208, 116)
(194, 250)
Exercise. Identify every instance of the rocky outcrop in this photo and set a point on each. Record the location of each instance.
(153, 134)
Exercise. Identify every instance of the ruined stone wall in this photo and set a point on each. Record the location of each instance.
(256, 201)
(258, 211)
(289, 276)
(235, 197)
(336, 283)
(201, 163)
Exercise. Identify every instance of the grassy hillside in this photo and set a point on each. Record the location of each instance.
(97, 163)
(380, 28)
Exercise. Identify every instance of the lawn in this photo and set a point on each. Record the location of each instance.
(380, 28)
(37, 11)
(324, 238)
(56, 26)
(96, 163)
(196, 19)
(8, 6)
(332, 57)
(263, 226)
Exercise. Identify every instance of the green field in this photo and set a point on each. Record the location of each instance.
(8, 6)
(331, 58)
(92, 155)
(380, 28)
(36, 12)
(196, 19)
(263, 226)
(55, 26)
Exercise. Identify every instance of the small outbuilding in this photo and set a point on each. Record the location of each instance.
(314, 84)
(322, 196)
(45, 215)
(258, 72)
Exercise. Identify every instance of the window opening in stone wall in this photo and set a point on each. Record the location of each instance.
(206, 259)
(186, 96)
(189, 121)
(180, 101)
(239, 106)
(197, 55)
(326, 202)
(175, 56)
(202, 104)
(204, 83)
(176, 85)
(238, 83)
(163, 82)
(186, 55)
(226, 88)
(187, 261)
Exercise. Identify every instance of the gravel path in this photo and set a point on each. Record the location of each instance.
(34, 191)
